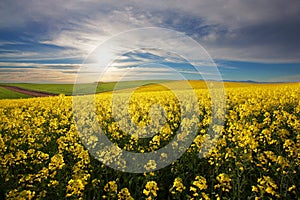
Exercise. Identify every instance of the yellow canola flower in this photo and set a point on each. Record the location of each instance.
(57, 162)
(224, 182)
(261, 134)
(124, 194)
(75, 187)
(292, 188)
(151, 189)
(151, 165)
(177, 186)
(266, 184)
(200, 182)
(111, 186)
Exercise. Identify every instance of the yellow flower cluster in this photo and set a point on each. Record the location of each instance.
(111, 186)
(266, 185)
(177, 186)
(124, 194)
(151, 189)
(112, 190)
(224, 182)
(199, 184)
(255, 155)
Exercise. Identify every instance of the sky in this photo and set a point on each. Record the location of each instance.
(52, 41)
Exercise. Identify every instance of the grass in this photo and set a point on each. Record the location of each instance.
(147, 85)
(8, 94)
(52, 88)
(195, 84)
(67, 89)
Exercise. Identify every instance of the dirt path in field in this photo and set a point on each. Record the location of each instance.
(29, 92)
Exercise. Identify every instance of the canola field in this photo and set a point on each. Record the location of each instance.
(256, 154)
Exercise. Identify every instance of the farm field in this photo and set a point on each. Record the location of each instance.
(256, 154)
(52, 88)
(67, 89)
(8, 94)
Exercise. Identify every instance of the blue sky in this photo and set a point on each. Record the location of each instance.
(49, 41)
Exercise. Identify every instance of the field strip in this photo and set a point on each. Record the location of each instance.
(29, 92)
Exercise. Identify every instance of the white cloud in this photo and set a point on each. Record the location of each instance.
(143, 72)
(83, 25)
(38, 65)
(222, 27)
(38, 73)
(36, 76)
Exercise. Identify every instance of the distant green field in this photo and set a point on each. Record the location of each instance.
(8, 94)
(67, 89)
(148, 85)
(52, 88)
